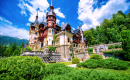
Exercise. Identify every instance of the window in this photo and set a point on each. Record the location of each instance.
(76, 45)
(49, 31)
(53, 24)
(52, 31)
(70, 49)
(41, 44)
(36, 28)
(52, 42)
(35, 33)
(41, 33)
(53, 18)
(49, 17)
(35, 38)
(68, 40)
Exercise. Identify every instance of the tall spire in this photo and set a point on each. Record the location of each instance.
(51, 3)
(43, 19)
(67, 19)
(79, 25)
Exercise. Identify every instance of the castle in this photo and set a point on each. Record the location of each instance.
(66, 42)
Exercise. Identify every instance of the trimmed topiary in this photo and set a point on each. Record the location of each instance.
(75, 60)
(96, 57)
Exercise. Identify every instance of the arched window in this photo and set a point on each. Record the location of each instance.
(68, 40)
(35, 33)
(41, 33)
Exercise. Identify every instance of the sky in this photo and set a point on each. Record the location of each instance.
(16, 15)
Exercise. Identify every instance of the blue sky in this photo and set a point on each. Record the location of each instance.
(16, 15)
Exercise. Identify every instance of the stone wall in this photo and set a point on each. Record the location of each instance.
(64, 52)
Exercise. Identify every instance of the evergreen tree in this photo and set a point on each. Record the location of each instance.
(7, 52)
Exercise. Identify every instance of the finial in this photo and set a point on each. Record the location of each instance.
(37, 10)
(51, 3)
(79, 24)
(67, 19)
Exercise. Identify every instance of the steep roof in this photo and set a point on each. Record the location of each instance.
(76, 31)
(64, 26)
(50, 12)
(44, 24)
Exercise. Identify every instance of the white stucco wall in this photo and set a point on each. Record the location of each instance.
(49, 39)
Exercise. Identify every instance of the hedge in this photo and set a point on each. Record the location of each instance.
(90, 50)
(21, 67)
(119, 53)
(62, 72)
(96, 56)
(114, 46)
(105, 63)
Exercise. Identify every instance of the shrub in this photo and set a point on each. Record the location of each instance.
(90, 50)
(111, 58)
(105, 63)
(52, 48)
(75, 60)
(118, 46)
(57, 69)
(21, 67)
(40, 49)
(111, 46)
(72, 55)
(29, 49)
(119, 53)
(96, 56)
(82, 74)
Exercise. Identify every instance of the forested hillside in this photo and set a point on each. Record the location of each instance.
(6, 40)
(109, 31)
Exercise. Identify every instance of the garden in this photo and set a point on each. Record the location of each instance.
(32, 68)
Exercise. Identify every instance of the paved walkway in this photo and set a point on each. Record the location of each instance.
(73, 65)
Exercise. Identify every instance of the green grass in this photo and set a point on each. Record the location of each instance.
(66, 63)
(127, 71)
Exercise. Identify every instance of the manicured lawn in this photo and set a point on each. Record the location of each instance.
(127, 71)
(66, 63)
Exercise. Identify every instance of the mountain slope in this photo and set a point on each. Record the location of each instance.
(6, 40)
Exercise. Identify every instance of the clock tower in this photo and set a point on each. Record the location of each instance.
(51, 21)
(51, 17)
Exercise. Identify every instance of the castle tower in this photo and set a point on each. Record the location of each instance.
(81, 33)
(51, 21)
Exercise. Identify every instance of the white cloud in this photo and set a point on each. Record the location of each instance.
(10, 30)
(5, 20)
(73, 28)
(57, 21)
(14, 32)
(62, 23)
(28, 24)
(59, 13)
(31, 6)
(93, 18)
